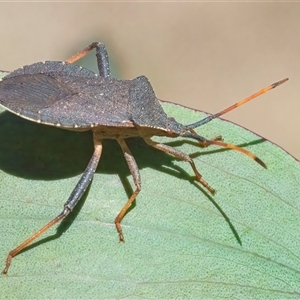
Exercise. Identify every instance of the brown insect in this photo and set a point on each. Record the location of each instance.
(71, 97)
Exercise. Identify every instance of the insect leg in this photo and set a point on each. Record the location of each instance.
(101, 54)
(205, 144)
(75, 196)
(180, 155)
(134, 170)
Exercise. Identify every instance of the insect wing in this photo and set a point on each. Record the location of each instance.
(61, 99)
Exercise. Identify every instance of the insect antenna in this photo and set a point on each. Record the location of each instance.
(228, 109)
(192, 134)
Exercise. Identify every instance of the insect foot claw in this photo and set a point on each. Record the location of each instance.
(121, 237)
(206, 185)
(213, 191)
(119, 229)
(5, 270)
(7, 265)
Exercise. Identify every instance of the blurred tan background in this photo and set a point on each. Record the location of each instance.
(203, 55)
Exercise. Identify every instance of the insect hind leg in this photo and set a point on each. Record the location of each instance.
(74, 198)
(182, 156)
(101, 54)
(134, 170)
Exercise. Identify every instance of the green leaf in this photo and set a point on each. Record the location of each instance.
(180, 242)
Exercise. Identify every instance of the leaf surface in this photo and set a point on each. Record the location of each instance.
(180, 242)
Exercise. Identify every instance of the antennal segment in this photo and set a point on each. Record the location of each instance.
(260, 92)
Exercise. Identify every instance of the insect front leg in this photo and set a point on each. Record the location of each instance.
(205, 144)
(74, 198)
(182, 156)
(101, 54)
(134, 170)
